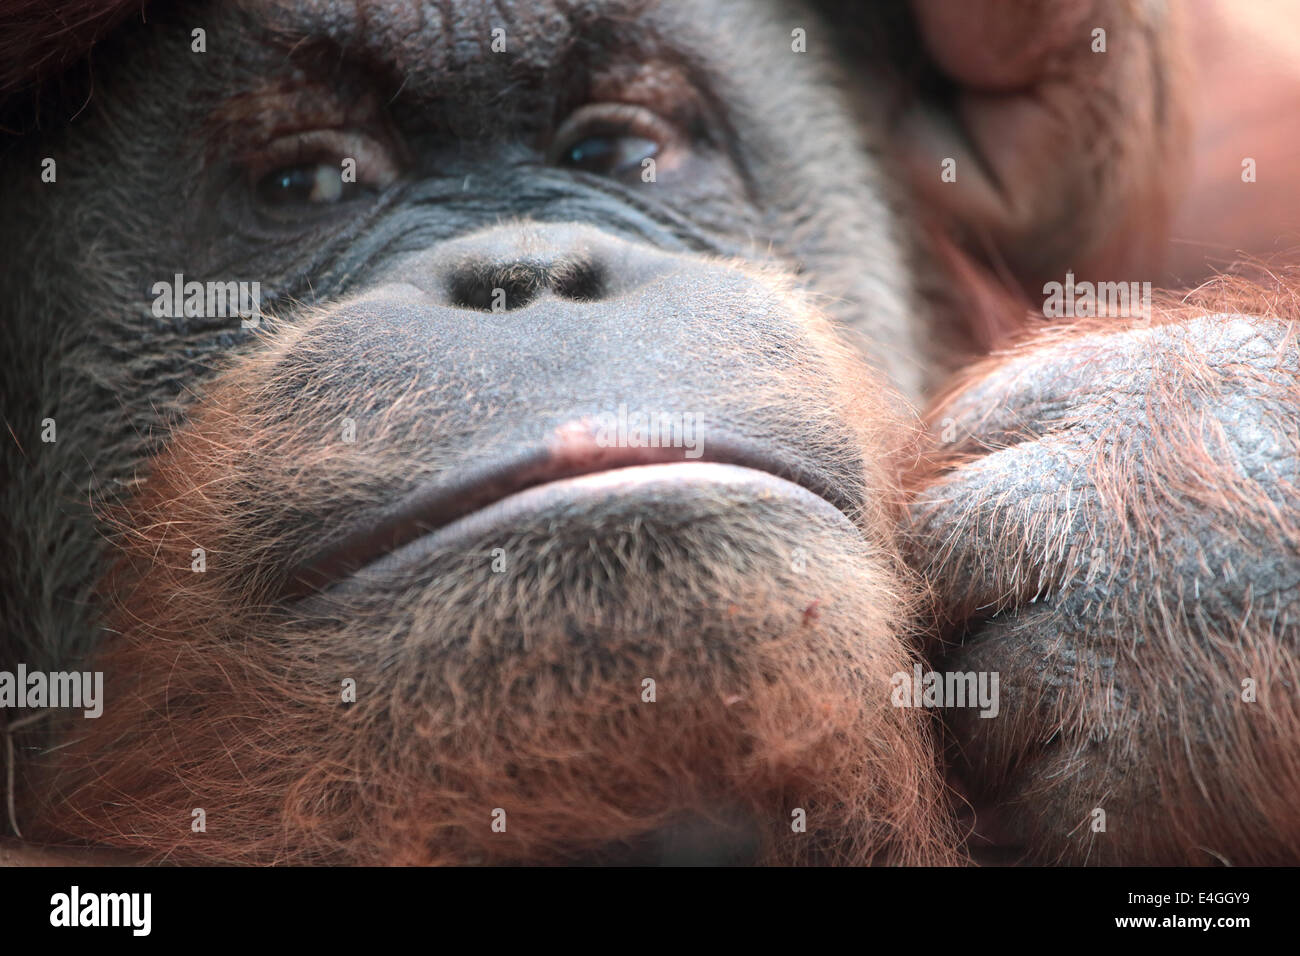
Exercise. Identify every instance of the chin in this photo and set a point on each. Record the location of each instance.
(675, 662)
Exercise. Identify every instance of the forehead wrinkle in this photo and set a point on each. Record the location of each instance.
(427, 41)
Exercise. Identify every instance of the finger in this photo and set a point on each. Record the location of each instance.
(998, 531)
(1071, 377)
(1062, 149)
(1000, 45)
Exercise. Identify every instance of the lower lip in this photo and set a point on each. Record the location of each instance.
(644, 481)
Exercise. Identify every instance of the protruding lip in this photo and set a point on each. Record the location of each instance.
(571, 454)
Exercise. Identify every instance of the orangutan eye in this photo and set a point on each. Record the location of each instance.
(609, 155)
(320, 168)
(315, 183)
(612, 139)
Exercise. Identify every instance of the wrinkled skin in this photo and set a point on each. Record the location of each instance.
(397, 485)
(1116, 501)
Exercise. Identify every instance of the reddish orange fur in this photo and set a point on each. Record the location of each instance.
(1215, 774)
(221, 700)
(217, 706)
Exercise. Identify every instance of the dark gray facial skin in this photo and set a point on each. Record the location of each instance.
(715, 290)
(155, 177)
(371, 582)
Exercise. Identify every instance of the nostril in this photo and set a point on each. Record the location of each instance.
(502, 287)
(580, 280)
(490, 287)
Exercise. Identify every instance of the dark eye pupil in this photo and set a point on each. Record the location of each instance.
(591, 151)
(293, 184)
(610, 155)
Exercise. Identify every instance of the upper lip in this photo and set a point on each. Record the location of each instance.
(459, 492)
